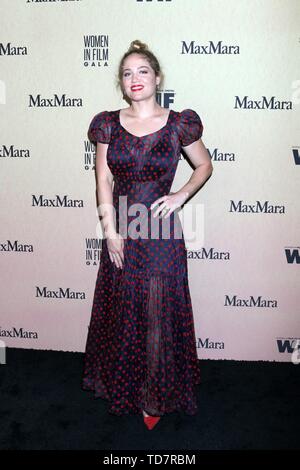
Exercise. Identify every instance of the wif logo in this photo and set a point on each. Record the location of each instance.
(290, 346)
(296, 156)
(165, 98)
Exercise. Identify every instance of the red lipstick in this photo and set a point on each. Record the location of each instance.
(136, 87)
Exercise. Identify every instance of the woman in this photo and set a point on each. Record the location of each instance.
(141, 351)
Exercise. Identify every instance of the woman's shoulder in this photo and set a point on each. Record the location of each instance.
(101, 125)
(186, 117)
(104, 118)
(104, 114)
(189, 126)
(186, 113)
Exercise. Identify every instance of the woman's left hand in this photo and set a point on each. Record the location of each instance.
(169, 203)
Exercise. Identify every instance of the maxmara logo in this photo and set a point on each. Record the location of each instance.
(9, 49)
(288, 345)
(209, 253)
(57, 201)
(60, 293)
(12, 152)
(234, 301)
(18, 333)
(95, 50)
(16, 246)
(93, 247)
(262, 103)
(208, 344)
(257, 208)
(209, 48)
(219, 156)
(56, 102)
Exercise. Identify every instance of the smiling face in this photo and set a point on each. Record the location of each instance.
(138, 78)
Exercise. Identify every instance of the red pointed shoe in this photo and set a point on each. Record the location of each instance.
(151, 421)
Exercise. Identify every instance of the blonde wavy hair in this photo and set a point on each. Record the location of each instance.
(138, 47)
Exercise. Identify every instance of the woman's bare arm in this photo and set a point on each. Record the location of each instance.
(200, 158)
(104, 179)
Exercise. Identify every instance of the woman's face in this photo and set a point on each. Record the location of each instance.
(138, 78)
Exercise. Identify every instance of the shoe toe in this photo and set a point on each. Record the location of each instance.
(151, 421)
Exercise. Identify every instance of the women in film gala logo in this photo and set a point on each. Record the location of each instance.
(95, 50)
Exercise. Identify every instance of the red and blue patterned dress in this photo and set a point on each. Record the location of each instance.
(141, 346)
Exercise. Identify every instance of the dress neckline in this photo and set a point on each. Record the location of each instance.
(146, 135)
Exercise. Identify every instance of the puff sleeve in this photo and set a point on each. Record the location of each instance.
(100, 128)
(190, 127)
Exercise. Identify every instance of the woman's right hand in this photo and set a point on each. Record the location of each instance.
(115, 246)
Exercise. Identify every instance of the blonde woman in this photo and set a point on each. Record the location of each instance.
(141, 351)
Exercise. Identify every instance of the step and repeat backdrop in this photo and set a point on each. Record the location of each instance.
(236, 63)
